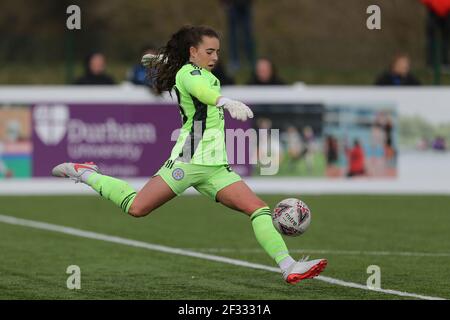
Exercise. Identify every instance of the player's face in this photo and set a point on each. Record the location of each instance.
(206, 54)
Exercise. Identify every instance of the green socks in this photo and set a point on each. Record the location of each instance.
(267, 236)
(116, 190)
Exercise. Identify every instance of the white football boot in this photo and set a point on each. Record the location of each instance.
(73, 170)
(304, 269)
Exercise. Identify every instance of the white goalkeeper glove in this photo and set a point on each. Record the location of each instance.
(237, 109)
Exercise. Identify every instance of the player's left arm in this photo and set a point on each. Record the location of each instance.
(198, 85)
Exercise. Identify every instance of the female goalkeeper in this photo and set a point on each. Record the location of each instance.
(185, 65)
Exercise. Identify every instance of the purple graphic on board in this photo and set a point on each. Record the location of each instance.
(125, 140)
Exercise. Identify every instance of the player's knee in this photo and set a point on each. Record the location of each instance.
(138, 211)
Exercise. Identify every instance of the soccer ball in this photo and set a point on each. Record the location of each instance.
(291, 217)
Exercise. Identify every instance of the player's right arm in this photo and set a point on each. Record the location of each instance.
(198, 86)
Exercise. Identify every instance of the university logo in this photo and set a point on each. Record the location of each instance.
(50, 123)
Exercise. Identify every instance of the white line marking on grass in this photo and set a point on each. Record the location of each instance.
(183, 252)
(333, 252)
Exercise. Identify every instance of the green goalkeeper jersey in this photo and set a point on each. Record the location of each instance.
(202, 136)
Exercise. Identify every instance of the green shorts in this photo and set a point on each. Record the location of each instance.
(208, 180)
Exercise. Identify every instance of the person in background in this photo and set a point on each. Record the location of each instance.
(265, 74)
(138, 73)
(422, 144)
(356, 161)
(437, 32)
(240, 27)
(309, 148)
(399, 73)
(332, 156)
(439, 144)
(383, 121)
(268, 145)
(95, 74)
(294, 146)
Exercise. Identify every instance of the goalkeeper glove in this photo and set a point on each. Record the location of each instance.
(237, 109)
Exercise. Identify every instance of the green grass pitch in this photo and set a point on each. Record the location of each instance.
(352, 230)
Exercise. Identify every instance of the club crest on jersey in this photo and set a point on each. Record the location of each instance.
(195, 72)
(178, 174)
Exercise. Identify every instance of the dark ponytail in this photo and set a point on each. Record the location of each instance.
(175, 54)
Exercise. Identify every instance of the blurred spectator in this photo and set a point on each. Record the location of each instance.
(138, 73)
(332, 156)
(384, 122)
(266, 145)
(239, 16)
(265, 74)
(309, 147)
(376, 153)
(399, 73)
(356, 161)
(437, 31)
(294, 146)
(439, 144)
(388, 128)
(422, 144)
(222, 75)
(95, 71)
